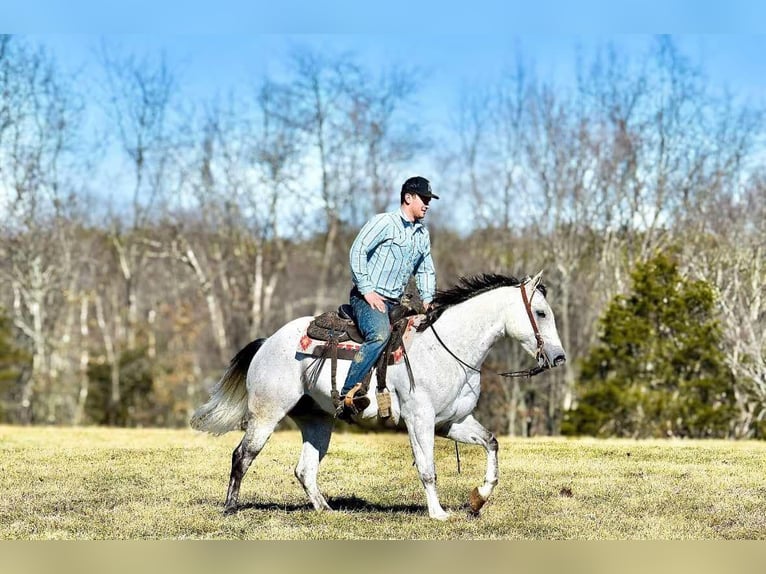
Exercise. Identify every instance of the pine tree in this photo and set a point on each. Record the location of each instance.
(658, 369)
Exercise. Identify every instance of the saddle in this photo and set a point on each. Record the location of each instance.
(335, 326)
(334, 335)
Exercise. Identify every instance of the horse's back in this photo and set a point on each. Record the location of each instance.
(285, 340)
(276, 361)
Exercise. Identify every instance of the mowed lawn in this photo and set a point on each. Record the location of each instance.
(95, 483)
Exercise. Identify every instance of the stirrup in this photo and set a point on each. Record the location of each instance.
(345, 413)
(348, 400)
(351, 404)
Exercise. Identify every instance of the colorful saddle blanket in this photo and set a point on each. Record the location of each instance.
(347, 348)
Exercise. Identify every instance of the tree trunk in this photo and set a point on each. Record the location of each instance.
(82, 395)
(565, 288)
(256, 303)
(37, 377)
(213, 305)
(114, 364)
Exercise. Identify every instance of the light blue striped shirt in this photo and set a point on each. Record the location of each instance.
(388, 250)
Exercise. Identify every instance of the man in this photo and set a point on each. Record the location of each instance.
(389, 249)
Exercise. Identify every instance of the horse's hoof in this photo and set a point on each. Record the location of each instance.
(229, 510)
(442, 516)
(476, 501)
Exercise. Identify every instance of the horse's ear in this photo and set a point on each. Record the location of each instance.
(536, 279)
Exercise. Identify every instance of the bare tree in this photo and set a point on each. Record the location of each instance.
(386, 135)
(138, 99)
(244, 188)
(277, 160)
(731, 255)
(320, 87)
(38, 115)
(355, 136)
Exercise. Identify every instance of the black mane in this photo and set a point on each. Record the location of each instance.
(466, 288)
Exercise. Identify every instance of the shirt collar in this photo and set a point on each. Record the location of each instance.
(407, 223)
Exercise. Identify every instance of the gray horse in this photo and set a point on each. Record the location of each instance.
(267, 380)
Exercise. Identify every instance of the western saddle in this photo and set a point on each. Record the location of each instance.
(336, 327)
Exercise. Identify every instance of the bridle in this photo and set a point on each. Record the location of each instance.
(537, 369)
(538, 337)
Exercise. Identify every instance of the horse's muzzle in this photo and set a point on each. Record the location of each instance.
(550, 360)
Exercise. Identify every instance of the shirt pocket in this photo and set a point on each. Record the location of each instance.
(404, 248)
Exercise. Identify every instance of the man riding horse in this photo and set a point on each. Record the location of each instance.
(434, 393)
(389, 249)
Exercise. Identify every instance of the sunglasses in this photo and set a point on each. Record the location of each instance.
(425, 200)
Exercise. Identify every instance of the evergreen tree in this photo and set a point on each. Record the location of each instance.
(658, 369)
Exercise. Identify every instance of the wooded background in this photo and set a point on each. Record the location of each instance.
(123, 296)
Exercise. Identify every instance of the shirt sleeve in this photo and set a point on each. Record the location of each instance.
(374, 232)
(425, 273)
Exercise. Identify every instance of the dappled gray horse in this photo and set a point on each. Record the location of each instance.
(268, 380)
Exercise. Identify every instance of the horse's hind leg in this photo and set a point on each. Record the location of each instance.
(251, 444)
(471, 432)
(316, 430)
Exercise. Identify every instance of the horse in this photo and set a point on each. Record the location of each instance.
(268, 380)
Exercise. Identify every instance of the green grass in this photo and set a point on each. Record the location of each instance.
(92, 483)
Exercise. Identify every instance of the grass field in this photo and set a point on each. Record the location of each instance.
(93, 483)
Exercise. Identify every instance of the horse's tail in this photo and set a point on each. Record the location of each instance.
(227, 408)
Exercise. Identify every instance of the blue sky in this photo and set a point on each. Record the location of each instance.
(214, 63)
(230, 44)
(412, 17)
(456, 42)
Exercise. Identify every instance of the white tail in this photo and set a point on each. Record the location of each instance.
(227, 408)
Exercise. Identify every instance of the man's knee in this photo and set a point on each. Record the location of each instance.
(380, 336)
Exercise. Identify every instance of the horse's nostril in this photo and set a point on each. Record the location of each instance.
(560, 360)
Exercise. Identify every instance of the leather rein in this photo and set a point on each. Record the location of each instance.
(538, 337)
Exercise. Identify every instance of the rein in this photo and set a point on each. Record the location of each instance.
(510, 374)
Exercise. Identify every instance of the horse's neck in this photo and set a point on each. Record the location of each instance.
(471, 328)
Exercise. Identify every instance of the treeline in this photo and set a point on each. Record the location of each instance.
(224, 219)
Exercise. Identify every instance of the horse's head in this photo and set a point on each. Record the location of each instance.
(532, 323)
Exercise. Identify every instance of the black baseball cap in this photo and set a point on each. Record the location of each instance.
(419, 185)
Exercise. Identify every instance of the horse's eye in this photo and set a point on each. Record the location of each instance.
(540, 314)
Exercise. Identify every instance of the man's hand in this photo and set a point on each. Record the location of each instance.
(426, 306)
(375, 301)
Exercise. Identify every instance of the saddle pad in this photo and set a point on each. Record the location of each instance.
(347, 349)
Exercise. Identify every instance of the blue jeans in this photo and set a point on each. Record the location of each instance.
(375, 327)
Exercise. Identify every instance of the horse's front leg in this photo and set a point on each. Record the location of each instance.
(420, 427)
(469, 431)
